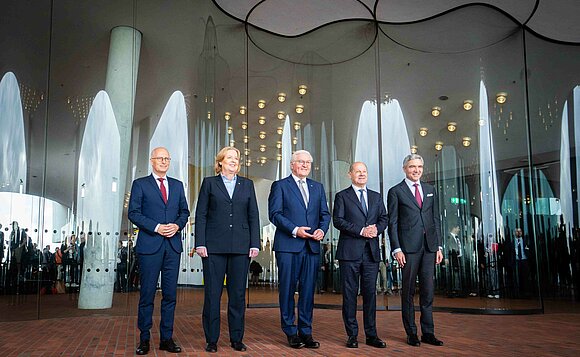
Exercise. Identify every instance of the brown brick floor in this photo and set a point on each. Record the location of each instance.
(551, 334)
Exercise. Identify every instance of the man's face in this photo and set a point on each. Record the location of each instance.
(414, 170)
(358, 174)
(301, 166)
(518, 232)
(160, 161)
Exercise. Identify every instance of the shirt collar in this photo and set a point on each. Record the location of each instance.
(411, 183)
(226, 179)
(296, 178)
(157, 177)
(356, 188)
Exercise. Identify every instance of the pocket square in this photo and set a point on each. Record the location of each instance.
(429, 195)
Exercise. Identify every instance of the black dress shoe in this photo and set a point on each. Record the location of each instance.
(239, 346)
(295, 342)
(431, 339)
(309, 342)
(352, 342)
(376, 342)
(169, 346)
(211, 347)
(413, 340)
(143, 348)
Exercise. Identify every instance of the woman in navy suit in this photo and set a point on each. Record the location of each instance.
(227, 235)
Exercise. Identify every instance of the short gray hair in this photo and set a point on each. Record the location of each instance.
(300, 152)
(412, 157)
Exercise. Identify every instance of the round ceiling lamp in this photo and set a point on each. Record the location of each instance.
(243, 110)
(227, 116)
(438, 145)
(281, 97)
(423, 131)
(501, 97)
(299, 108)
(451, 126)
(467, 104)
(302, 89)
(261, 104)
(436, 111)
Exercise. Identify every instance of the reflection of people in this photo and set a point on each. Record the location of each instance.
(520, 257)
(227, 235)
(255, 271)
(454, 251)
(415, 234)
(122, 257)
(159, 208)
(360, 216)
(297, 207)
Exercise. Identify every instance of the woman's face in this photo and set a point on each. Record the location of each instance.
(231, 162)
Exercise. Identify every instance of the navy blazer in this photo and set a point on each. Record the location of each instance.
(348, 217)
(227, 225)
(286, 210)
(147, 210)
(409, 225)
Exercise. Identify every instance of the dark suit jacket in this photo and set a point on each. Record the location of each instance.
(349, 219)
(409, 224)
(227, 225)
(287, 210)
(147, 210)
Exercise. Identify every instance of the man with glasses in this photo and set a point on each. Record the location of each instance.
(159, 208)
(297, 207)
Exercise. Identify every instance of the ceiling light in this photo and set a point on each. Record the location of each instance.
(436, 111)
(467, 104)
(243, 110)
(294, 140)
(230, 129)
(297, 125)
(279, 130)
(244, 125)
(466, 141)
(246, 139)
(262, 120)
(261, 104)
(279, 157)
(281, 97)
(279, 144)
(281, 115)
(438, 145)
(232, 143)
(414, 149)
(262, 148)
(451, 126)
(227, 115)
(302, 89)
(299, 108)
(209, 115)
(262, 135)
(249, 162)
(423, 131)
(501, 97)
(247, 152)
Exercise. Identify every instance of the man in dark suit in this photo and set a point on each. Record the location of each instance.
(158, 206)
(455, 257)
(227, 236)
(360, 216)
(297, 207)
(415, 234)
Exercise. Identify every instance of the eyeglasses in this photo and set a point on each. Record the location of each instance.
(161, 159)
(302, 162)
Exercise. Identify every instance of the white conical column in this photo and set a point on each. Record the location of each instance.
(120, 85)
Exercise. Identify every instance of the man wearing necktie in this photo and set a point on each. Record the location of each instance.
(522, 252)
(455, 256)
(158, 206)
(360, 216)
(415, 235)
(297, 207)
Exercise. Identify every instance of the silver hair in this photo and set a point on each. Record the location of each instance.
(157, 148)
(299, 152)
(412, 157)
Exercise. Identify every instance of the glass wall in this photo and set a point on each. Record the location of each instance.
(88, 90)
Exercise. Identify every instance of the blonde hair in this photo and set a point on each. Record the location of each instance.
(221, 156)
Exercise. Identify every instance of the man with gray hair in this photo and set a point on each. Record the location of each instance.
(297, 207)
(415, 235)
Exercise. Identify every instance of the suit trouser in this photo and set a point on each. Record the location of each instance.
(297, 268)
(215, 268)
(420, 264)
(365, 269)
(166, 262)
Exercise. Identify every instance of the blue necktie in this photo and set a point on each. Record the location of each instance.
(363, 202)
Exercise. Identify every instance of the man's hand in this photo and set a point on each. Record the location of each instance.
(400, 257)
(168, 230)
(318, 235)
(201, 251)
(370, 231)
(302, 232)
(253, 253)
(439, 257)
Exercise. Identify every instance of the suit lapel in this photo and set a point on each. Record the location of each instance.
(240, 184)
(354, 197)
(409, 194)
(222, 186)
(294, 188)
(153, 182)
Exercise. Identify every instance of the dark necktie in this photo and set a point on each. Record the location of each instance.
(163, 190)
(418, 195)
(363, 202)
(519, 249)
